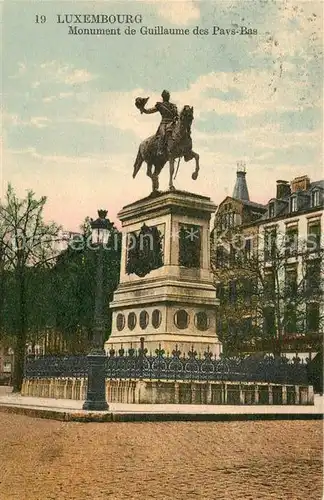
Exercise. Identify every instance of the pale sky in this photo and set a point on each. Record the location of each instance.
(71, 130)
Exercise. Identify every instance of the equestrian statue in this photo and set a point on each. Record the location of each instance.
(171, 141)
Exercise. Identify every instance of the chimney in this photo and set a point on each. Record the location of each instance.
(283, 189)
(240, 191)
(301, 183)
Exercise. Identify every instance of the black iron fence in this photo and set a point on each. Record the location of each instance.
(136, 365)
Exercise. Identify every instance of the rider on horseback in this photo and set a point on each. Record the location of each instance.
(172, 141)
(169, 114)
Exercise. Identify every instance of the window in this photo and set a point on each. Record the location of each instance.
(143, 319)
(156, 318)
(232, 254)
(313, 277)
(291, 282)
(181, 319)
(7, 367)
(270, 237)
(228, 219)
(312, 317)
(290, 319)
(291, 241)
(314, 236)
(220, 256)
(120, 322)
(248, 248)
(315, 198)
(271, 210)
(201, 321)
(131, 321)
(269, 323)
(269, 286)
(293, 204)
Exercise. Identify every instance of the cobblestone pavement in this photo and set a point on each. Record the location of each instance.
(44, 459)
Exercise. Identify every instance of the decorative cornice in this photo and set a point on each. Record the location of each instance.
(179, 202)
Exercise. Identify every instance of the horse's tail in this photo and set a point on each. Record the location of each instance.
(138, 162)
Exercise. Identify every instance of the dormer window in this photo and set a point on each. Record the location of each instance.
(271, 210)
(227, 220)
(315, 198)
(293, 204)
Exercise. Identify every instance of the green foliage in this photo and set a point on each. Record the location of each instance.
(74, 283)
(46, 294)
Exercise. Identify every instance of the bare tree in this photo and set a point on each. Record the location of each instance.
(269, 291)
(27, 242)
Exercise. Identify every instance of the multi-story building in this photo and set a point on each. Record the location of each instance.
(268, 264)
(291, 246)
(234, 234)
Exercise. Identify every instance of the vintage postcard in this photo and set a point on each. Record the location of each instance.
(161, 249)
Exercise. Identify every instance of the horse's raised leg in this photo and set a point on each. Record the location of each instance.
(171, 186)
(195, 173)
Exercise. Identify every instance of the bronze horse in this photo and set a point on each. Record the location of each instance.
(178, 145)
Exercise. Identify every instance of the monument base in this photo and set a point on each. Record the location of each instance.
(170, 392)
(166, 296)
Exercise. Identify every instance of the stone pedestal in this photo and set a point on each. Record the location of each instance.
(174, 304)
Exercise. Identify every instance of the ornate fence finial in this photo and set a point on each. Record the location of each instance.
(192, 353)
(176, 352)
(208, 354)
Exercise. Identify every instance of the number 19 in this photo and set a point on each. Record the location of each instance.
(40, 19)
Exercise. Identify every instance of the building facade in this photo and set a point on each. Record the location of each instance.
(291, 243)
(268, 267)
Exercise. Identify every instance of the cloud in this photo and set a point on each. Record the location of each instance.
(53, 72)
(14, 120)
(65, 73)
(61, 95)
(254, 92)
(178, 12)
(262, 146)
(249, 91)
